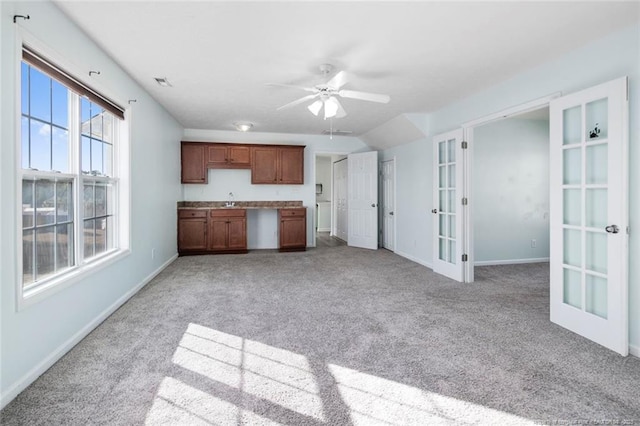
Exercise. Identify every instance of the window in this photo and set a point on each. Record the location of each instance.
(70, 183)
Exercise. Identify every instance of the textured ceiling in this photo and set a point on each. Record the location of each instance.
(219, 55)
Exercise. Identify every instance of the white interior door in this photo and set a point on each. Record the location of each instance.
(447, 205)
(388, 204)
(340, 202)
(362, 193)
(589, 214)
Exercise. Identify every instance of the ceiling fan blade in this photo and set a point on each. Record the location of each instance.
(364, 96)
(338, 80)
(298, 101)
(306, 89)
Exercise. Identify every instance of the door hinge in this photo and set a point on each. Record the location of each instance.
(465, 258)
(465, 145)
(465, 201)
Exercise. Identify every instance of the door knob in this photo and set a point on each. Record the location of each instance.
(373, 205)
(612, 229)
(434, 211)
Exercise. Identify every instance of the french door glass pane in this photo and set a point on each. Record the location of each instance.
(572, 206)
(596, 252)
(452, 252)
(597, 164)
(442, 182)
(443, 226)
(443, 201)
(442, 152)
(452, 226)
(596, 119)
(572, 288)
(572, 125)
(442, 252)
(452, 201)
(452, 150)
(572, 247)
(452, 175)
(572, 159)
(596, 296)
(596, 208)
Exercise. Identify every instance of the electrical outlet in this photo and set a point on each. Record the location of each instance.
(153, 253)
(533, 243)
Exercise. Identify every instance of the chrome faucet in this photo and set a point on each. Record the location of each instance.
(230, 203)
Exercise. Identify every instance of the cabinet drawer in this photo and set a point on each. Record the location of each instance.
(293, 212)
(228, 213)
(183, 214)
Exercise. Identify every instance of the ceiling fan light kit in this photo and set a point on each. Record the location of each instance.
(329, 93)
(243, 126)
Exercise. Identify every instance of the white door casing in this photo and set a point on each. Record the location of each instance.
(448, 210)
(589, 203)
(340, 202)
(362, 193)
(388, 204)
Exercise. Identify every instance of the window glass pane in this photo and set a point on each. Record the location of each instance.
(96, 157)
(27, 257)
(60, 140)
(64, 202)
(45, 202)
(86, 155)
(45, 252)
(96, 121)
(88, 238)
(108, 127)
(101, 200)
(24, 136)
(40, 95)
(64, 246)
(28, 211)
(40, 145)
(24, 88)
(89, 200)
(110, 233)
(85, 109)
(60, 104)
(107, 152)
(101, 235)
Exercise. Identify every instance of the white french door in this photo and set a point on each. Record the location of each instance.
(388, 204)
(589, 214)
(362, 192)
(447, 205)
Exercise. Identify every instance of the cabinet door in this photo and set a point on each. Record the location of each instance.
(237, 228)
(217, 155)
(293, 233)
(291, 165)
(239, 156)
(264, 165)
(219, 234)
(192, 234)
(193, 167)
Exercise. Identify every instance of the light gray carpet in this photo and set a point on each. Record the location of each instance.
(333, 336)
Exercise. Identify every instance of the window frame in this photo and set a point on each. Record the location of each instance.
(82, 268)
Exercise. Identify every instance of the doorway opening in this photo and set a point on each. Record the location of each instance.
(331, 195)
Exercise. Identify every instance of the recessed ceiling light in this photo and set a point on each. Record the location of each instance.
(243, 126)
(162, 81)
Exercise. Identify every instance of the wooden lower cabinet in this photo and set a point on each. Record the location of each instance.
(228, 231)
(192, 231)
(293, 229)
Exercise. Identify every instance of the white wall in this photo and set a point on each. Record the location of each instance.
(511, 191)
(602, 60)
(38, 335)
(221, 181)
(323, 176)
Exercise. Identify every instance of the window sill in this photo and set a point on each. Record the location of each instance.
(32, 296)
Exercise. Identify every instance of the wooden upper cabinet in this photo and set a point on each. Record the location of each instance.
(264, 164)
(277, 165)
(193, 163)
(291, 162)
(222, 156)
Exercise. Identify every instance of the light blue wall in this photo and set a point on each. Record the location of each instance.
(33, 337)
(602, 60)
(262, 225)
(511, 190)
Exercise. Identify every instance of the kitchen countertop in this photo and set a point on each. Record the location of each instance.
(208, 205)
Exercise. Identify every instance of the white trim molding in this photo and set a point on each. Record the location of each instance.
(58, 353)
(634, 350)
(510, 261)
(414, 259)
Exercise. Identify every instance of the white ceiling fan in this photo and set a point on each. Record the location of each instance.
(327, 94)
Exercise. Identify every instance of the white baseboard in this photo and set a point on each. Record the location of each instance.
(323, 229)
(415, 259)
(509, 261)
(58, 353)
(634, 350)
